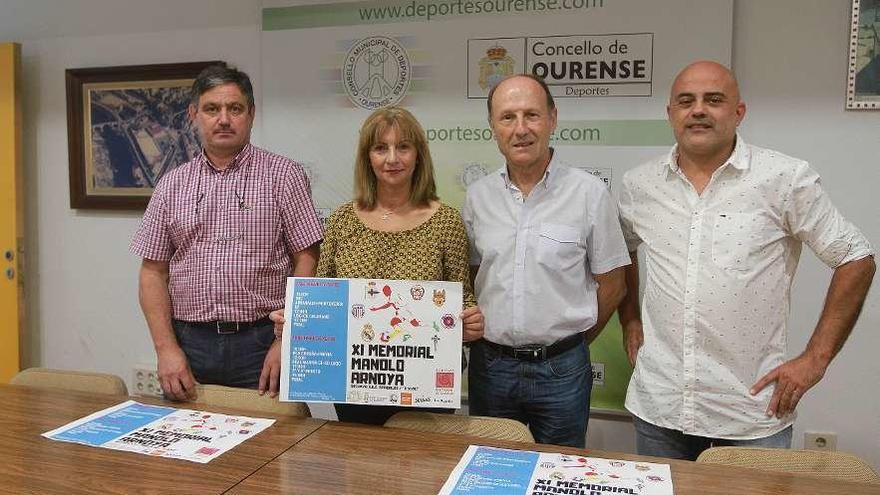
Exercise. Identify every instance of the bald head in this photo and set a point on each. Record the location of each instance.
(706, 71)
(704, 111)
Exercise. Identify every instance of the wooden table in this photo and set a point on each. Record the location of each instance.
(31, 464)
(342, 458)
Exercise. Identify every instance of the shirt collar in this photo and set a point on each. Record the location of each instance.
(549, 174)
(240, 159)
(740, 159)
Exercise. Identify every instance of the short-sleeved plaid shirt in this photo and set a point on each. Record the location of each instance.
(229, 235)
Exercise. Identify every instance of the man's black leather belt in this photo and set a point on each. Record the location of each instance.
(226, 327)
(539, 352)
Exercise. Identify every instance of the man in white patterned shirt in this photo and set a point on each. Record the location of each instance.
(722, 223)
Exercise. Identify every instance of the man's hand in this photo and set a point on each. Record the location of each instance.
(175, 376)
(472, 324)
(277, 318)
(271, 373)
(793, 378)
(633, 338)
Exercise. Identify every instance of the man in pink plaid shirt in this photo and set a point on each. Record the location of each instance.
(218, 239)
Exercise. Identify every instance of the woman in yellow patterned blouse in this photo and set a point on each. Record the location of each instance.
(396, 228)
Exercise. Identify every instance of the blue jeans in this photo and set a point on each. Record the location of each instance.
(551, 396)
(232, 359)
(664, 442)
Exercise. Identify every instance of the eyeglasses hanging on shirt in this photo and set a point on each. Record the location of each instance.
(239, 191)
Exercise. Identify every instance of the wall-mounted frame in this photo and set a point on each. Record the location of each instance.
(126, 126)
(863, 76)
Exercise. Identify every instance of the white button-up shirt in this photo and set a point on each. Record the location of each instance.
(719, 268)
(537, 254)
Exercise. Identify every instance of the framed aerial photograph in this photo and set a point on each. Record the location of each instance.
(126, 126)
(863, 78)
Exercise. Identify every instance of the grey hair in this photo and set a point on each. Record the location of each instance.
(218, 75)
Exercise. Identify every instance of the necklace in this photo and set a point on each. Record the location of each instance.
(387, 214)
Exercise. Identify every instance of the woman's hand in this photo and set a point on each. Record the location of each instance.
(472, 324)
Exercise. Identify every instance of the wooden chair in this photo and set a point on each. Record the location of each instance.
(250, 399)
(478, 426)
(81, 381)
(836, 465)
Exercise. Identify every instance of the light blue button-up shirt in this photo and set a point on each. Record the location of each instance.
(537, 255)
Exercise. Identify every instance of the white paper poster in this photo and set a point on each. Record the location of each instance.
(490, 470)
(197, 436)
(372, 341)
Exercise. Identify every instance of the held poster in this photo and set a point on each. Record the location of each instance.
(197, 436)
(372, 341)
(521, 472)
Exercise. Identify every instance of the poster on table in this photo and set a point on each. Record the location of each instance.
(609, 64)
(371, 341)
(484, 470)
(197, 436)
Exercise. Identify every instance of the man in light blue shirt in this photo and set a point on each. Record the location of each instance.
(548, 254)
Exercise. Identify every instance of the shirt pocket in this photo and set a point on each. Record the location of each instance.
(734, 239)
(258, 225)
(559, 246)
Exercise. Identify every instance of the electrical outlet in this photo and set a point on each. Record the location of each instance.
(145, 381)
(820, 441)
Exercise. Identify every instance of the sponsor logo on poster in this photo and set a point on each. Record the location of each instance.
(444, 379)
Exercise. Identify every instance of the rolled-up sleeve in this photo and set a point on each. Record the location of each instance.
(813, 219)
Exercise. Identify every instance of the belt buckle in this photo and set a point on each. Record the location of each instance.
(227, 327)
(530, 353)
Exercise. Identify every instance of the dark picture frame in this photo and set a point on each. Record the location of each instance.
(126, 126)
(863, 71)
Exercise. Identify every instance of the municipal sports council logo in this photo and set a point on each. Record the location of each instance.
(376, 72)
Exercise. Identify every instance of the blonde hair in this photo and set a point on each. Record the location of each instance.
(423, 189)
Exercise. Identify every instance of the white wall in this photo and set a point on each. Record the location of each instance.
(791, 59)
(80, 280)
(790, 56)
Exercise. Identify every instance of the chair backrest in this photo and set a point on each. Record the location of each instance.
(836, 465)
(245, 398)
(478, 426)
(81, 381)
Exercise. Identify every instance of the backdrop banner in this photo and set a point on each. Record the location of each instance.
(609, 65)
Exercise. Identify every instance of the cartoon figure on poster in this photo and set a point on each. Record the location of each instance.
(398, 305)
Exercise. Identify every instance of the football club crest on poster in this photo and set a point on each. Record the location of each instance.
(439, 297)
(376, 72)
(367, 333)
(417, 292)
(357, 311)
(448, 320)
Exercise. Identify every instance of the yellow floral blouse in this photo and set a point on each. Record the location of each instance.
(435, 250)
